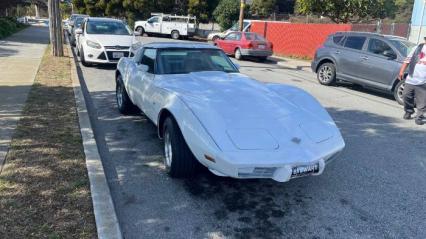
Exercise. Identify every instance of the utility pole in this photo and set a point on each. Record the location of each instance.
(241, 22)
(55, 28)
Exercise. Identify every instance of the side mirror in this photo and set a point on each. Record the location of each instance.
(78, 31)
(143, 68)
(149, 21)
(390, 54)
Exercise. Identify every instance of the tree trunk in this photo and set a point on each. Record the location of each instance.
(55, 28)
(37, 13)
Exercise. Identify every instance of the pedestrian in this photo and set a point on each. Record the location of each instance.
(414, 94)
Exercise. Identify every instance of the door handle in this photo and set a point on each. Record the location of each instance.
(337, 52)
(364, 57)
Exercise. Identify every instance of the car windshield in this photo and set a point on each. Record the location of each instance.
(78, 22)
(403, 46)
(236, 26)
(107, 28)
(254, 37)
(184, 61)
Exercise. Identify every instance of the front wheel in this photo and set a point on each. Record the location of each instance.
(326, 74)
(83, 59)
(398, 92)
(125, 105)
(178, 158)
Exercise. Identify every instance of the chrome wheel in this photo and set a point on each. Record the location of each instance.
(325, 74)
(120, 95)
(401, 91)
(167, 150)
(238, 54)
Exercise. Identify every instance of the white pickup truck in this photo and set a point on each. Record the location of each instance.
(165, 24)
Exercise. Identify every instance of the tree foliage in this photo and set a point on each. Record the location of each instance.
(227, 13)
(199, 8)
(344, 11)
(263, 8)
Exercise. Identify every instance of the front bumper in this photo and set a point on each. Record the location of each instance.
(271, 166)
(260, 53)
(104, 55)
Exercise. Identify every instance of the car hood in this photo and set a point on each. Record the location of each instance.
(244, 112)
(112, 40)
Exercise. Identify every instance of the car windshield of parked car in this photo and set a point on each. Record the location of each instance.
(254, 37)
(78, 21)
(404, 47)
(107, 28)
(184, 61)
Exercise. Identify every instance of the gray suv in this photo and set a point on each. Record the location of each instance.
(367, 59)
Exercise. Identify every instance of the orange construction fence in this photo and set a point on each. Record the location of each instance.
(299, 40)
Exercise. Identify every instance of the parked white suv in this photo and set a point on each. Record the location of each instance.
(165, 24)
(103, 40)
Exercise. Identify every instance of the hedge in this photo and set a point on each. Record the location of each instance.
(8, 26)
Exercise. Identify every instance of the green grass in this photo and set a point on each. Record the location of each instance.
(44, 186)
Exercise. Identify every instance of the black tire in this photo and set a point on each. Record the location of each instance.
(262, 58)
(398, 92)
(238, 55)
(140, 30)
(326, 74)
(181, 162)
(215, 38)
(83, 59)
(124, 104)
(175, 35)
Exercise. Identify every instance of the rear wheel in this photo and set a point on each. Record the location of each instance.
(238, 55)
(399, 92)
(175, 35)
(178, 158)
(262, 58)
(326, 74)
(140, 30)
(215, 38)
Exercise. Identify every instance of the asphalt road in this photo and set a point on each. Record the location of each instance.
(377, 189)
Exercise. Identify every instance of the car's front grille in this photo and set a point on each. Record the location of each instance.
(117, 47)
(257, 173)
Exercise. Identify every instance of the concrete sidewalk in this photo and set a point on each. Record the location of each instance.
(20, 57)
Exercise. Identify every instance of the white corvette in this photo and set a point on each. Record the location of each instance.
(209, 113)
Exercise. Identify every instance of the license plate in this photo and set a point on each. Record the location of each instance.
(261, 46)
(117, 55)
(305, 170)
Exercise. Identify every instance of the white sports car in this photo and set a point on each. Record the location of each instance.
(209, 113)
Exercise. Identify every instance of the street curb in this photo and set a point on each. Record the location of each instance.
(292, 64)
(105, 216)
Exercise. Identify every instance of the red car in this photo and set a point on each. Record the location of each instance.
(241, 44)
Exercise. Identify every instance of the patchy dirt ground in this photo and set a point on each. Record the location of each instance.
(44, 187)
